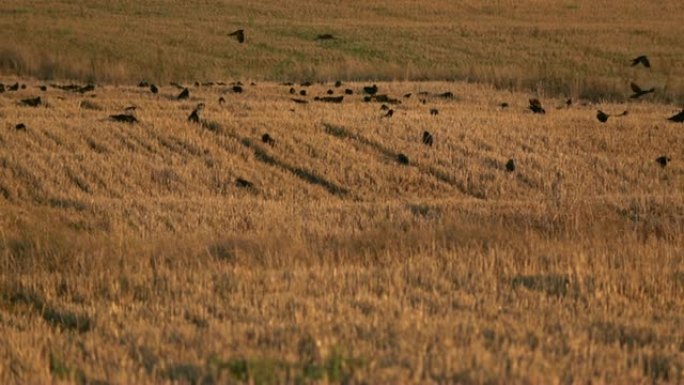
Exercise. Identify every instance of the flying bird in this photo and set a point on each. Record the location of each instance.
(663, 160)
(638, 91)
(679, 118)
(643, 60)
(239, 35)
(536, 106)
(427, 138)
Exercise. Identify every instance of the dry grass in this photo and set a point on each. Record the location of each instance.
(577, 48)
(128, 254)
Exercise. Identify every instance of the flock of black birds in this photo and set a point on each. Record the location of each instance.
(370, 94)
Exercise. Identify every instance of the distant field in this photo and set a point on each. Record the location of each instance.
(577, 48)
(134, 254)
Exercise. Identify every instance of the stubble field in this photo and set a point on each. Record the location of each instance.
(131, 254)
(168, 251)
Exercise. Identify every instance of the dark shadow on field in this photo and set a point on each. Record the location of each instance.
(307, 176)
(343, 133)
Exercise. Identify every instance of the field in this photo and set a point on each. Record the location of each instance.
(170, 251)
(578, 48)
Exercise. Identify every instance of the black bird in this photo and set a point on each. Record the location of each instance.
(638, 92)
(239, 35)
(305, 84)
(348, 92)
(372, 90)
(510, 165)
(503, 105)
(663, 160)
(384, 107)
(31, 102)
(154, 89)
(330, 92)
(641, 60)
(124, 118)
(679, 118)
(325, 36)
(14, 87)
(300, 101)
(237, 89)
(434, 111)
(266, 138)
(43, 88)
(427, 138)
(338, 84)
(184, 94)
(446, 95)
(244, 183)
(330, 99)
(194, 116)
(293, 91)
(222, 100)
(389, 113)
(602, 116)
(20, 127)
(536, 106)
(407, 95)
(86, 88)
(23, 86)
(402, 159)
(302, 92)
(568, 102)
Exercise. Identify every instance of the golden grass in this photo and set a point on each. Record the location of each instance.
(577, 48)
(128, 254)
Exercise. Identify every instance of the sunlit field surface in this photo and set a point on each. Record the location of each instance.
(283, 238)
(579, 48)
